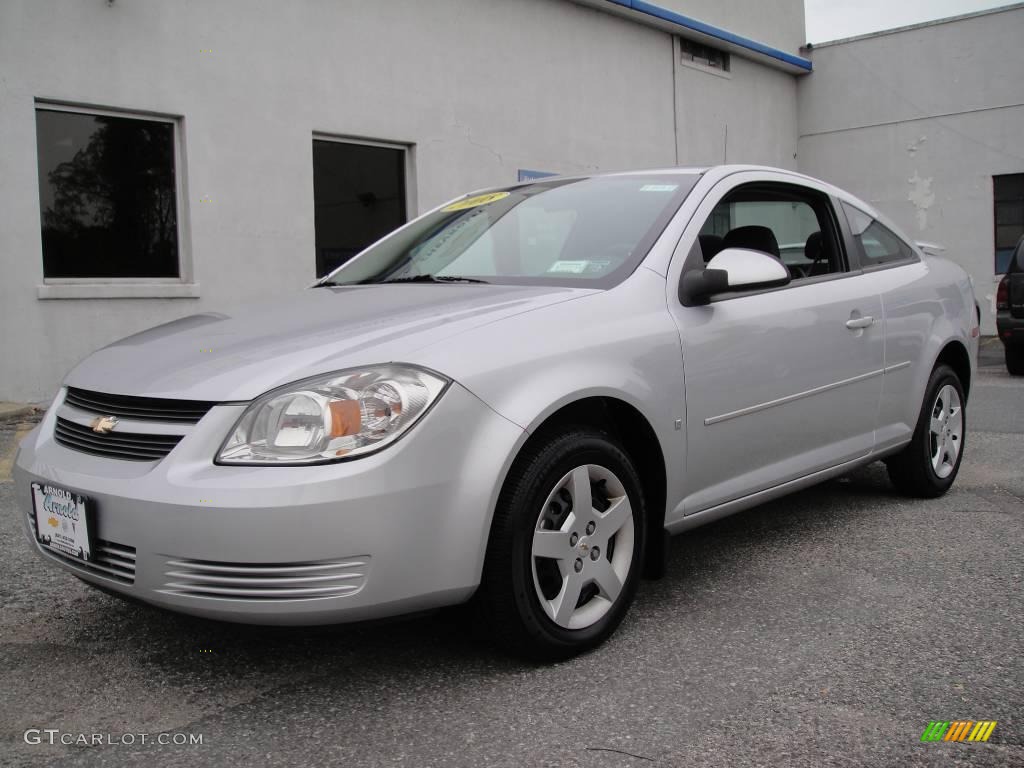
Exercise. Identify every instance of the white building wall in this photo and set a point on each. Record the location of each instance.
(478, 88)
(916, 122)
(747, 115)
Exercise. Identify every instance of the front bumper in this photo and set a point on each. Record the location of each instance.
(394, 532)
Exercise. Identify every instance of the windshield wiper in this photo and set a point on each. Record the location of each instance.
(432, 279)
(327, 284)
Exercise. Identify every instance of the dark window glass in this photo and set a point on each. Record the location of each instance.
(877, 243)
(107, 196)
(704, 55)
(358, 197)
(1008, 209)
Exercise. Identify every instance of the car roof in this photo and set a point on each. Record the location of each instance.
(719, 171)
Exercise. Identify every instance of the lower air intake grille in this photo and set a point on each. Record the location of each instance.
(115, 561)
(266, 581)
(110, 560)
(128, 446)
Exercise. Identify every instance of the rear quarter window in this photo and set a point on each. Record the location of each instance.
(876, 244)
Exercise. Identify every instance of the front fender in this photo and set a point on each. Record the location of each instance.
(619, 344)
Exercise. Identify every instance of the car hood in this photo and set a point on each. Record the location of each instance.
(241, 355)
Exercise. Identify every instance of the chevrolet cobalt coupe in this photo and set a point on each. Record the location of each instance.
(511, 401)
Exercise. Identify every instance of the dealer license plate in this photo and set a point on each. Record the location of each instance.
(63, 520)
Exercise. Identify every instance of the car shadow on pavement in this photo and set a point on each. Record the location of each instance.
(176, 645)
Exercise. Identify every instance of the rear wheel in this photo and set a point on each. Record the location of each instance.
(1014, 359)
(929, 465)
(566, 547)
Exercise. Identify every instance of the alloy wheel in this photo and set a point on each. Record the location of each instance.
(946, 431)
(582, 546)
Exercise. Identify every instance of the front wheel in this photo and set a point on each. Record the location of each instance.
(566, 547)
(928, 466)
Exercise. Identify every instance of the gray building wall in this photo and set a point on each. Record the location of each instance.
(747, 115)
(917, 121)
(475, 88)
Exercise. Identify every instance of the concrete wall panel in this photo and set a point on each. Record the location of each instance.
(917, 122)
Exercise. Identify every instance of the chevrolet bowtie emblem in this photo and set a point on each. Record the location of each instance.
(101, 425)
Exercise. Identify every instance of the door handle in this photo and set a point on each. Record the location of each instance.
(857, 323)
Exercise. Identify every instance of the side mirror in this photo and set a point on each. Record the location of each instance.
(732, 269)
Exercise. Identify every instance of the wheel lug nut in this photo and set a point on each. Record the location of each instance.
(591, 527)
(595, 553)
(579, 565)
(573, 539)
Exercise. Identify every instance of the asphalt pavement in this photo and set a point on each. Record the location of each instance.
(827, 628)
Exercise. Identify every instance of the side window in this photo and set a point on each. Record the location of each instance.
(793, 224)
(876, 243)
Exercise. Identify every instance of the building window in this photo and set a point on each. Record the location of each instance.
(1008, 192)
(359, 195)
(107, 195)
(703, 55)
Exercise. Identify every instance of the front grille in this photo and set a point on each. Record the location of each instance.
(110, 560)
(266, 581)
(138, 408)
(128, 446)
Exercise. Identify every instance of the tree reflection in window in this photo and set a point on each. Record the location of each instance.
(107, 196)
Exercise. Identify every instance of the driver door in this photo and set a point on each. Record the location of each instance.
(780, 383)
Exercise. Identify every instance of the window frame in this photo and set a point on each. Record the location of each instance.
(182, 286)
(408, 150)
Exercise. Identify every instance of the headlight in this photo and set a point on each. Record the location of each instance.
(334, 417)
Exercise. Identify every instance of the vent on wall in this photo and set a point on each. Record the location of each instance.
(703, 55)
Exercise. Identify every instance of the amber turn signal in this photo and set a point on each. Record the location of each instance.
(346, 418)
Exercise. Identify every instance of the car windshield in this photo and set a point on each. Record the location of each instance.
(591, 231)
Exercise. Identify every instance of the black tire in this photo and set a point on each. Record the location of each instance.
(911, 470)
(1014, 360)
(507, 602)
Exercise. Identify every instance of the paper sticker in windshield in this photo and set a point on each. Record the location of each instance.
(572, 267)
(659, 187)
(584, 266)
(473, 202)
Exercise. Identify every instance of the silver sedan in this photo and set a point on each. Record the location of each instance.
(511, 401)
